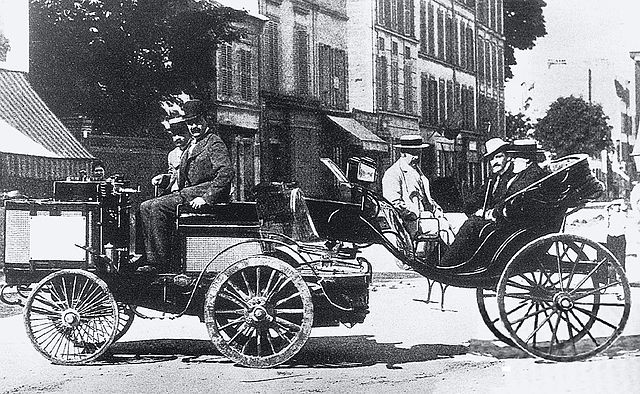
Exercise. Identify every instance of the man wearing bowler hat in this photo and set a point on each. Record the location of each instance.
(524, 171)
(407, 188)
(204, 177)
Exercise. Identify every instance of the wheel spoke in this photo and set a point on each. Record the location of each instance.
(292, 296)
(231, 323)
(287, 323)
(558, 257)
(239, 293)
(594, 316)
(233, 298)
(518, 285)
(277, 289)
(268, 286)
(257, 280)
(584, 327)
(246, 284)
(588, 275)
(290, 311)
(593, 291)
(533, 304)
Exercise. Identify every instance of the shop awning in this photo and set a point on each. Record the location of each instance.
(14, 142)
(363, 137)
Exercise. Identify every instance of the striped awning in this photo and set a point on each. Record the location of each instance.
(360, 134)
(24, 110)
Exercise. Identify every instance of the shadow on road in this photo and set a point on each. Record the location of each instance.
(335, 352)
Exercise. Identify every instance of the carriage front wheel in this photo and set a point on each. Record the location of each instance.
(71, 317)
(564, 297)
(259, 312)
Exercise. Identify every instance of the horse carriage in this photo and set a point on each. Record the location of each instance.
(261, 274)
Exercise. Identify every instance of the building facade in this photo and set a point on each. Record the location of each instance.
(433, 67)
(338, 78)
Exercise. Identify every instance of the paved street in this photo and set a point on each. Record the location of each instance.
(405, 344)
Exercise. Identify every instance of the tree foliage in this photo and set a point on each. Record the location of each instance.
(115, 60)
(518, 126)
(572, 125)
(523, 24)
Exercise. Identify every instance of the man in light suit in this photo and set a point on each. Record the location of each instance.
(204, 177)
(407, 188)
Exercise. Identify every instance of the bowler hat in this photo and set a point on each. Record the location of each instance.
(495, 145)
(193, 109)
(411, 141)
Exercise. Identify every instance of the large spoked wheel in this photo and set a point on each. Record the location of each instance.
(564, 298)
(488, 306)
(126, 316)
(259, 312)
(71, 317)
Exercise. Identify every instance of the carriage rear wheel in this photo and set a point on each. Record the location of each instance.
(71, 317)
(259, 312)
(488, 306)
(126, 316)
(563, 297)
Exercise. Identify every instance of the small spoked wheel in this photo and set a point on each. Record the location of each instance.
(71, 317)
(126, 316)
(563, 297)
(488, 306)
(259, 312)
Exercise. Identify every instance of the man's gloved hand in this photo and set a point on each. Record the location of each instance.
(197, 203)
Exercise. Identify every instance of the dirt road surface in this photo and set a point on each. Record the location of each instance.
(405, 345)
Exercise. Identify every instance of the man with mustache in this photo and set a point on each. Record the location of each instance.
(480, 207)
(525, 171)
(204, 177)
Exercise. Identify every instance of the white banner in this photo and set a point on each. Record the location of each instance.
(14, 35)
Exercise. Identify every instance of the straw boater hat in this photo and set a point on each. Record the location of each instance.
(527, 149)
(411, 141)
(494, 145)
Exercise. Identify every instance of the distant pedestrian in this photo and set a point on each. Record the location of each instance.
(616, 227)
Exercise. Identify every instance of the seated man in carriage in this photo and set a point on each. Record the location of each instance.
(407, 188)
(514, 167)
(204, 177)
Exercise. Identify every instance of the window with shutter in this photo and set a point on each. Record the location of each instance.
(341, 75)
(400, 16)
(225, 70)
(440, 34)
(395, 96)
(450, 100)
(431, 31)
(500, 67)
(381, 87)
(480, 60)
(409, 28)
(449, 39)
(433, 102)
(441, 101)
(463, 45)
(301, 44)
(423, 27)
(271, 56)
(424, 98)
(456, 50)
(408, 88)
(471, 64)
(245, 75)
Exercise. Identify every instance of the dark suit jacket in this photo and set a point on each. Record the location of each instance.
(206, 172)
(520, 181)
(495, 194)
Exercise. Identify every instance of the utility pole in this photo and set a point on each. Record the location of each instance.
(589, 85)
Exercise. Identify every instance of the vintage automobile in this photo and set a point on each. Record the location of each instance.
(261, 274)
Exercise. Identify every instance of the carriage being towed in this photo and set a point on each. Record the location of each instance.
(261, 275)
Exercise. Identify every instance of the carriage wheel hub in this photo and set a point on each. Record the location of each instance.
(563, 301)
(70, 318)
(259, 314)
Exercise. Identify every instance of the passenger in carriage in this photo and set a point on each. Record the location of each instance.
(513, 167)
(204, 177)
(179, 131)
(407, 188)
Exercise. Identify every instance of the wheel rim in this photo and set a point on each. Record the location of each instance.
(125, 320)
(71, 317)
(259, 312)
(488, 307)
(564, 298)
